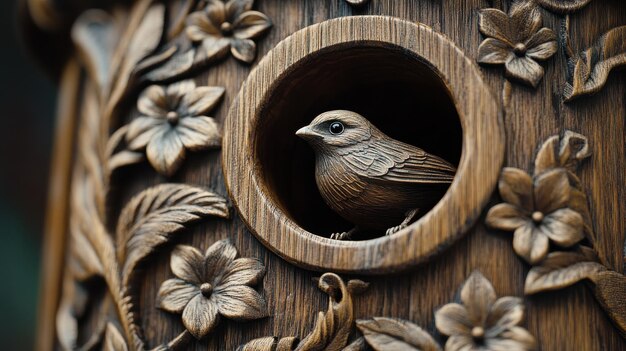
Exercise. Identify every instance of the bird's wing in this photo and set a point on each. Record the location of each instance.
(392, 160)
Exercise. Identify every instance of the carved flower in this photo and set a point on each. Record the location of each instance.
(212, 285)
(537, 210)
(516, 41)
(172, 121)
(232, 24)
(482, 322)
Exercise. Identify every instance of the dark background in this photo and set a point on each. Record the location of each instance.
(27, 105)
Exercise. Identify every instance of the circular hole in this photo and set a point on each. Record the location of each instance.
(396, 91)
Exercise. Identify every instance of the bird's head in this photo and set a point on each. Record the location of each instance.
(336, 129)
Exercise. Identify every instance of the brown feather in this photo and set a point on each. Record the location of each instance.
(369, 178)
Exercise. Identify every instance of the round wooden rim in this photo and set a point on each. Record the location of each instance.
(477, 175)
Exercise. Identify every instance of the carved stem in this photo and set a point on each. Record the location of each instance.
(506, 94)
(179, 25)
(565, 37)
(181, 341)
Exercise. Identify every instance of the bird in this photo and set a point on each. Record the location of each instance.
(370, 179)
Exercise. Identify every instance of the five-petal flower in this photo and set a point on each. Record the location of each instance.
(172, 121)
(212, 285)
(233, 24)
(537, 210)
(482, 322)
(516, 40)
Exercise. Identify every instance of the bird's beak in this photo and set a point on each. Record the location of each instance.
(307, 133)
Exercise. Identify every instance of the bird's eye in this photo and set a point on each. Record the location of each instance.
(336, 128)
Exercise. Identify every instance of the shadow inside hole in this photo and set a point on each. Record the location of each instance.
(400, 94)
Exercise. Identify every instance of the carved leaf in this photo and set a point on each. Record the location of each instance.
(270, 343)
(71, 307)
(179, 64)
(559, 270)
(261, 344)
(124, 158)
(114, 341)
(144, 41)
(589, 70)
(84, 261)
(151, 218)
(563, 6)
(187, 60)
(155, 60)
(566, 152)
(610, 290)
(94, 34)
(387, 334)
(357, 345)
(333, 327)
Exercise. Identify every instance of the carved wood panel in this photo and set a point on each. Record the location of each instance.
(186, 212)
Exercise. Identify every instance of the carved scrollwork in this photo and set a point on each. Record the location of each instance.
(332, 328)
(564, 220)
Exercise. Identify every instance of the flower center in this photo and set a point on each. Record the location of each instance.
(172, 118)
(226, 28)
(520, 49)
(478, 332)
(537, 216)
(206, 289)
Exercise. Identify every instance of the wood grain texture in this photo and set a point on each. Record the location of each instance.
(531, 116)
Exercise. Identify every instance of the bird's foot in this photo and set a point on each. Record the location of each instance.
(395, 229)
(410, 216)
(345, 235)
(340, 236)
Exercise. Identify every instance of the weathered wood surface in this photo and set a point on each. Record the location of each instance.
(568, 319)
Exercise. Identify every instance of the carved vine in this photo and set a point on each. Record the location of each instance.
(550, 217)
(480, 321)
(332, 328)
(172, 121)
